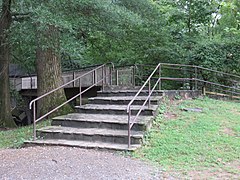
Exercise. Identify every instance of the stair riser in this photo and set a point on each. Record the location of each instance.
(120, 102)
(102, 125)
(110, 94)
(147, 112)
(92, 138)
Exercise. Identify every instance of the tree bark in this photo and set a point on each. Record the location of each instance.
(6, 119)
(49, 71)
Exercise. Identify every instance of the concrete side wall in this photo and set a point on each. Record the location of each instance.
(185, 94)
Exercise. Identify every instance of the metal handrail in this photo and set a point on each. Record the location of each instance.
(207, 82)
(32, 104)
(131, 121)
(159, 78)
(200, 67)
(148, 81)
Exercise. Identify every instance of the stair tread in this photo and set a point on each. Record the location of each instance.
(108, 118)
(90, 131)
(115, 107)
(84, 144)
(126, 98)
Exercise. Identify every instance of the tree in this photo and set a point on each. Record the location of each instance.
(49, 71)
(6, 119)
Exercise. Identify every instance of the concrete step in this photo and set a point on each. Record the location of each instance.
(121, 100)
(90, 134)
(127, 93)
(115, 109)
(118, 88)
(83, 144)
(105, 121)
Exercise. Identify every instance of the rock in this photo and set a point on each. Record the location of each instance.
(192, 109)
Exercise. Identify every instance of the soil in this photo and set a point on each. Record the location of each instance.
(4, 129)
(170, 115)
(229, 171)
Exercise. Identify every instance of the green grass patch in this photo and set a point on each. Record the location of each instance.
(15, 138)
(192, 139)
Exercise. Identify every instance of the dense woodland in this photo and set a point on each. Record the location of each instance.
(50, 36)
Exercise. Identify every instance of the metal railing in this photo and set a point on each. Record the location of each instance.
(194, 69)
(150, 91)
(96, 81)
(153, 81)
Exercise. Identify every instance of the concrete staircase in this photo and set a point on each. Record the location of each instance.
(102, 123)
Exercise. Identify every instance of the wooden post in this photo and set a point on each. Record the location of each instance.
(204, 90)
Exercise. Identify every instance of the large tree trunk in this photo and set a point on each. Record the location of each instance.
(6, 119)
(49, 69)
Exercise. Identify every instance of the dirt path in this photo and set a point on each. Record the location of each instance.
(71, 163)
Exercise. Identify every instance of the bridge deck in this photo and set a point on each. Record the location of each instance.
(30, 83)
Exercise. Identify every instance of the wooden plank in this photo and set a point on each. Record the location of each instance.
(221, 94)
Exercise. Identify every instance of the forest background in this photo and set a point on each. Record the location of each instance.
(68, 34)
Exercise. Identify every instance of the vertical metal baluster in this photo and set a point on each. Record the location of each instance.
(129, 128)
(103, 78)
(117, 77)
(110, 72)
(74, 83)
(93, 77)
(149, 90)
(95, 74)
(80, 91)
(133, 76)
(196, 76)
(159, 86)
(34, 121)
(31, 83)
(105, 75)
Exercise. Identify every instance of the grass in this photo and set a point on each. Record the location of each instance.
(192, 140)
(15, 138)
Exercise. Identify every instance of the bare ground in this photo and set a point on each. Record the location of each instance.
(71, 163)
(38, 163)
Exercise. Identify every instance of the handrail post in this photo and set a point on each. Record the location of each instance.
(80, 91)
(110, 73)
(74, 83)
(149, 91)
(34, 121)
(129, 127)
(93, 77)
(133, 76)
(160, 83)
(117, 77)
(95, 74)
(31, 83)
(103, 78)
(196, 76)
(105, 74)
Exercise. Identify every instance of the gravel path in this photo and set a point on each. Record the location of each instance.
(71, 163)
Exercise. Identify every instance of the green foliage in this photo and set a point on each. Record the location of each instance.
(194, 140)
(220, 55)
(129, 31)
